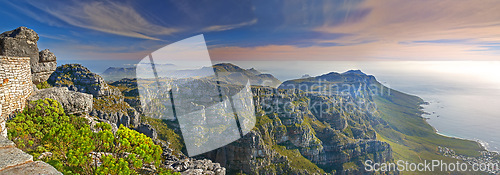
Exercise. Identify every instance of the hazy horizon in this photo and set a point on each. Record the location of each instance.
(462, 93)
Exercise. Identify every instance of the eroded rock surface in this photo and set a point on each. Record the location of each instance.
(22, 42)
(72, 102)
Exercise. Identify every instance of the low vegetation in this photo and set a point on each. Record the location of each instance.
(44, 127)
(297, 160)
(166, 133)
(43, 85)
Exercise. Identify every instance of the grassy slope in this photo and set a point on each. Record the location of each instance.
(410, 136)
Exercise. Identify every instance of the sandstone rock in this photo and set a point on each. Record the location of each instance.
(13, 156)
(72, 102)
(129, 119)
(190, 166)
(47, 56)
(5, 142)
(20, 42)
(319, 138)
(93, 121)
(46, 65)
(109, 103)
(37, 167)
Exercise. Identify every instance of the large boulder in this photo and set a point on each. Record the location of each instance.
(22, 42)
(46, 65)
(72, 102)
(78, 78)
(127, 117)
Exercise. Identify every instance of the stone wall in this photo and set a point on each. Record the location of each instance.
(15, 86)
(22, 42)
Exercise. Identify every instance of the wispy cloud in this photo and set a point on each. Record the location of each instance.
(395, 20)
(217, 28)
(376, 51)
(105, 16)
(392, 30)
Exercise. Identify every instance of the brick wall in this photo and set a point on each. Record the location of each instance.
(15, 86)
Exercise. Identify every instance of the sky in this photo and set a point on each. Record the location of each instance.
(330, 30)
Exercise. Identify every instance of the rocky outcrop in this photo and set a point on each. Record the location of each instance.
(15, 161)
(22, 42)
(147, 130)
(252, 155)
(115, 110)
(72, 102)
(178, 162)
(130, 91)
(44, 67)
(323, 131)
(108, 102)
(78, 78)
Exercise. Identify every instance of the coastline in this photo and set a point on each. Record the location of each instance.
(482, 144)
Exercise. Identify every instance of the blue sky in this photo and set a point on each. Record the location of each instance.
(264, 29)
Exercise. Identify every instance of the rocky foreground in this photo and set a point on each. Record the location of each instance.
(15, 161)
(85, 94)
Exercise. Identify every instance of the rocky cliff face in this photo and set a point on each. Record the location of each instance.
(78, 78)
(22, 42)
(323, 131)
(108, 101)
(130, 91)
(302, 131)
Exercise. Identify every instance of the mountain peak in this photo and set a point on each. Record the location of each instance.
(254, 71)
(306, 76)
(358, 72)
(226, 65)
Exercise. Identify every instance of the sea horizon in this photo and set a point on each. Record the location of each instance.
(424, 79)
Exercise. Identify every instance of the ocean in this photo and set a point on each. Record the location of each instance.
(463, 96)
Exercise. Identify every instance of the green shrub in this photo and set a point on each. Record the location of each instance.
(43, 126)
(43, 85)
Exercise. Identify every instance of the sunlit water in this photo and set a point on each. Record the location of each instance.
(464, 96)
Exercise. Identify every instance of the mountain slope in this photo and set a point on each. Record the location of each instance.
(118, 73)
(327, 124)
(410, 136)
(225, 72)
